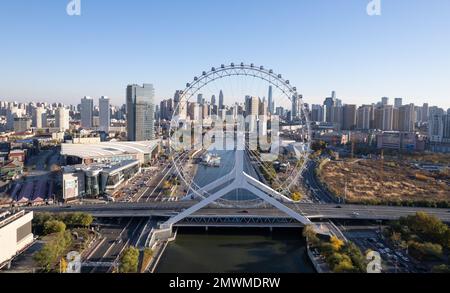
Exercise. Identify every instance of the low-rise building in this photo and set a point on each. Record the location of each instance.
(96, 179)
(15, 234)
(111, 152)
(17, 155)
(395, 140)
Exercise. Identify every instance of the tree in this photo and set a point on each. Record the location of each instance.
(441, 269)
(166, 185)
(429, 228)
(336, 243)
(78, 219)
(54, 226)
(85, 220)
(336, 258)
(311, 235)
(297, 196)
(129, 260)
(344, 267)
(425, 250)
(48, 256)
(396, 238)
(358, 259)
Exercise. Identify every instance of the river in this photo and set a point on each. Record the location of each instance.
(224, 250)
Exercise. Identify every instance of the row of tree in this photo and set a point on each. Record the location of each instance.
(46, 223)
(53, 250)
(424, 235)
(341, 257)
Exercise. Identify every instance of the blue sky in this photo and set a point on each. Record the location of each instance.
(320, 45)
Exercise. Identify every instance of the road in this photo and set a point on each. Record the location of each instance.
(153, 191)
(118, 235)
(318, 193)
(310, 210)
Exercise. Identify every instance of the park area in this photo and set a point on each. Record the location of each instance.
(385, 182)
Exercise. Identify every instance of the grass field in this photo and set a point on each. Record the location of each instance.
(376, 181)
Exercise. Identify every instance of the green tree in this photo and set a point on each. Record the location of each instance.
(129, 260)
(78, 219)
(57, 245)
(358, 259)
(425, 250)
(54, 226)
(344, 267)
(441, 269)
(429, 228)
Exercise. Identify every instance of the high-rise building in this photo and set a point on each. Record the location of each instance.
(364, 117)
(398, 102)
(349, 117)
(140, 112)
(296, 108)
(221, 100)
(271, 101)
(425, 113)
(62, 119)
(436, 128)
(328, 104)
(22, 124)
(87, 112)
(104, 114)
(39, 117)
(406, 118)
(251, 106)
(166, 109)
(200, 99)
(384, 118)
(180, 105)
(384, 101)
(213, 100)
(317, 114)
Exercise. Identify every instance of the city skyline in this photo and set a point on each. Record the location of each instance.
(402, 53)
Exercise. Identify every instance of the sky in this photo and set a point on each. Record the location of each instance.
(319, 45)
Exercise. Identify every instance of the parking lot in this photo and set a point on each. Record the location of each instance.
(393, 260)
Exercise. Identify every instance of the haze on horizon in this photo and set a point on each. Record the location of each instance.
(319, 45)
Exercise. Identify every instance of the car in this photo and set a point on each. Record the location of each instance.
(338, 207)
(244, 212)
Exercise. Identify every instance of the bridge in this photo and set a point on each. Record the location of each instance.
(311, 211)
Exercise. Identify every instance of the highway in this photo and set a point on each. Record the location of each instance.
(318, 193)
(154, 192)
(310, 210)
(118, 234)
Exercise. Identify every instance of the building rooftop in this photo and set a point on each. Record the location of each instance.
(100, 167)
(106, 149)
(7, 217)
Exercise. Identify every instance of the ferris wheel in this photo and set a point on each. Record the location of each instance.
(229, 90)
